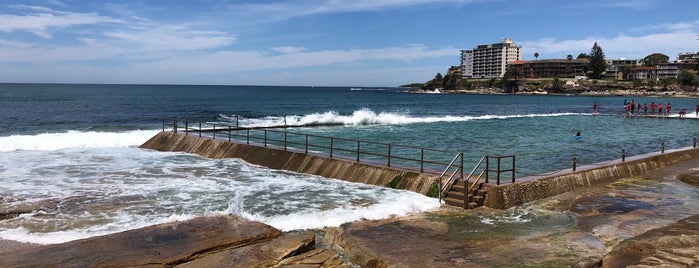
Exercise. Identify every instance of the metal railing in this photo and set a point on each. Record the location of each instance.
(409, 158)
(445, 187)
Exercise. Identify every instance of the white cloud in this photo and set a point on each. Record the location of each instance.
(292, 9)
(288, 49)
(620, 46)
(165, 38)
(46, 19)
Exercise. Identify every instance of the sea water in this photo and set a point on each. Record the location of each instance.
(70, 153)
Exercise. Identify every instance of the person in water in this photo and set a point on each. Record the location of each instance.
(577, 134)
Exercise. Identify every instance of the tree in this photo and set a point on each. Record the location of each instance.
(583, 56)
(434, 83)
(655, 59)
(509, 79)
(556, 84)
(536, 55)
(597, 63)
(685, 78)
(569, 57)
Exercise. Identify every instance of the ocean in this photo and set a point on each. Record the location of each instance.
(70, 161)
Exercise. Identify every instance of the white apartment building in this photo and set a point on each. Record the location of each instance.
(489, 61)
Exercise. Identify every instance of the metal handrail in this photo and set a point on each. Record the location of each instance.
(450, 181)
(359, 150)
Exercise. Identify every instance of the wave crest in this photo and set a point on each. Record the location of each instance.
(74, 139)
(368, 117)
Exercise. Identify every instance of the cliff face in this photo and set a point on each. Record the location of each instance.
(298, 162)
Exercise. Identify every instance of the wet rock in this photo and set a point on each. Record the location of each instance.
(691, 178)
(675, 245)
(289, 249)
(155, 246)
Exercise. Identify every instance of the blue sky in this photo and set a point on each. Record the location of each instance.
(316, 42)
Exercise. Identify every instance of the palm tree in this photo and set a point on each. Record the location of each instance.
(536, 55)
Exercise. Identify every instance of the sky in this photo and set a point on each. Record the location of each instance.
(316, 42)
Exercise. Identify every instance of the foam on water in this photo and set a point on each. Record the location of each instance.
(76, 193)
(368, 117)
(75, 139)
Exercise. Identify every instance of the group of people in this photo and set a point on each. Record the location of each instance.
(631, 107)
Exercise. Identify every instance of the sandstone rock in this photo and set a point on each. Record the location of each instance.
(670, 246)
(156, 246)
(691, 178)
(265, 254)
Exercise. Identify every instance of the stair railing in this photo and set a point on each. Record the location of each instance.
(444, 187)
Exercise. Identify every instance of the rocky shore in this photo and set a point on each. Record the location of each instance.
(641, 222)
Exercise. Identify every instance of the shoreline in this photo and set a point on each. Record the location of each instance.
(590, 93)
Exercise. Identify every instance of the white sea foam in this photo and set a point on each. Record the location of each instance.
(394, 204)
(75, 139)
(369, 117)
(80, 193)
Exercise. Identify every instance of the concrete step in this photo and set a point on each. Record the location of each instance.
(454, 202)
(455, 195)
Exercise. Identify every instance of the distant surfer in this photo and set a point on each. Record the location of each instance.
(577, 135)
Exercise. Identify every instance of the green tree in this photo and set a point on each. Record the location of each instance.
(449, 82)
(509, 79)
(556, 84)
(569, 57)
(655, 59)
(435, 83)
(536, 55)
(597, 63)
(583, 56)
(685, 78)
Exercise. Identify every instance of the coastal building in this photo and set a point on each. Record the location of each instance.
(668, 70)
(645, 73)
(489, 61)
(455, 71)
(467, 63)
(550, 68)
(687, 61)
(619, 69)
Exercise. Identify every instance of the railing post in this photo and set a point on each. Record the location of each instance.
(163, 124)
(306, 143)
(662, 148)
(332, 140)
(575, 161)
(513, 168)
(247, 136)
(498, 170)
(265, 138)
(358, 151)
(623, 155)
(487, 169)
(422, 160)
(236, 121)
(229, 134)
(174, 125)
(285, 140)
(461, 154)
(694, 145)
(199, 129)
(389, 156)
(186, 127)
(214, 131)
